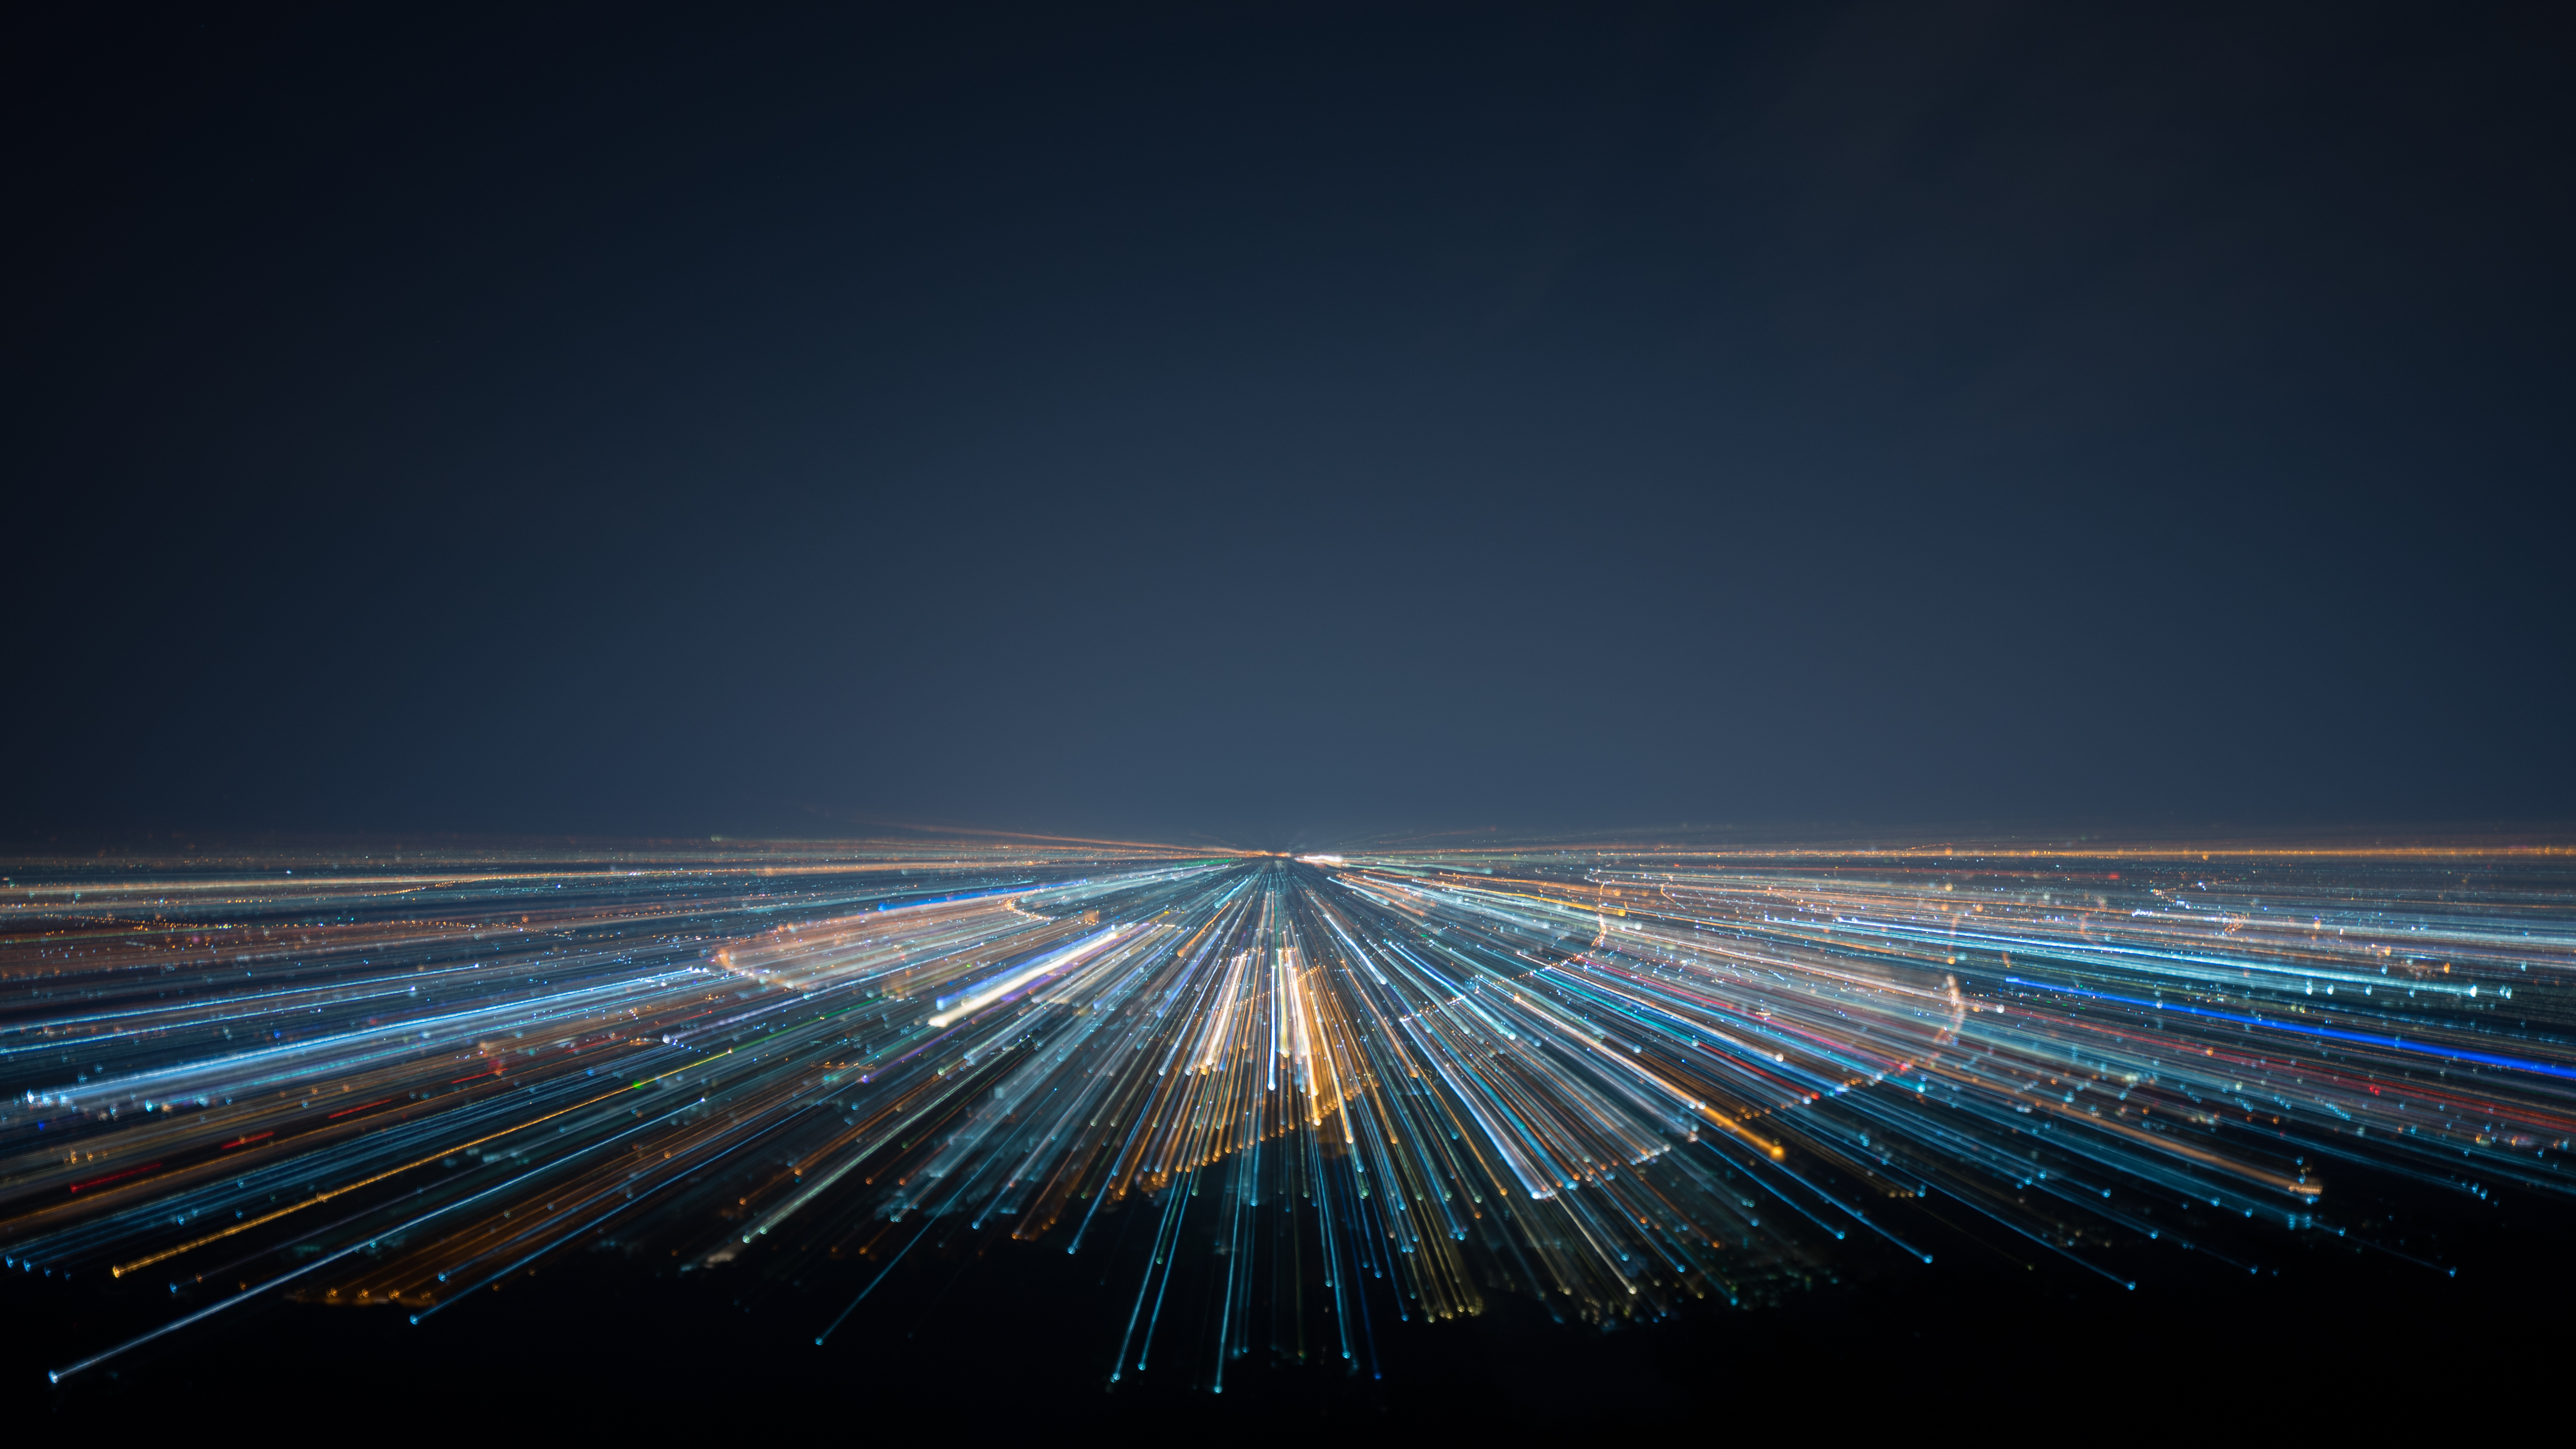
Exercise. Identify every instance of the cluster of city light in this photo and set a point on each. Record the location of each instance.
(1623, 1079)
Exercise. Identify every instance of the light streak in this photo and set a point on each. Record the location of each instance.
(1622, 1079)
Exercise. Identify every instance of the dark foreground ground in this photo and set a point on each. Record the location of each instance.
(1018, 1338)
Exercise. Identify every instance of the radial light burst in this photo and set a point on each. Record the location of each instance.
(1624, 1079)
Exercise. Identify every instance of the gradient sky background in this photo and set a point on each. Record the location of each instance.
(1280, 421)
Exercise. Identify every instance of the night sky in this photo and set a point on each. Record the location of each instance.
(1276, 423)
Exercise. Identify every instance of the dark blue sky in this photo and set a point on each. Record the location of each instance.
(1274, 422)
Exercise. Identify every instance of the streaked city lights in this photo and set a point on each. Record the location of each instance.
(1626, 1080)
